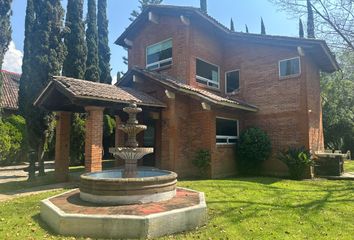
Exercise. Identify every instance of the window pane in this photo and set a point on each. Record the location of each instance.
(232, 81)
(289, 67)
(159, 52)
(225, 127)
(207, 71)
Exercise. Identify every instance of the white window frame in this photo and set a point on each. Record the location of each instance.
(206, 79)
(228, 137)
(239, 80)
(158, 63)
(292, 75)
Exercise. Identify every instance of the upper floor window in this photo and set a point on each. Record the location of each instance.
(289, 67)
(226, 131)
(232, 81)
(159, 55)
(207, 73)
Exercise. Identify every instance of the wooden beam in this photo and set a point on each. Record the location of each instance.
(153, 18)
(206, 106)
(128, 42)
(169, 94)
(185, 20)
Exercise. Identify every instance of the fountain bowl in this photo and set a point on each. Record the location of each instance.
(110, 188)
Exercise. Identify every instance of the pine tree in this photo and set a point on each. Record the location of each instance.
(74, 39)
(5, 27)
(104, 54)
(310, 21)
(143, 3)
(246, 28)
(263, 31)
(232, 27)
(44, 25)
(301, 29)
(92, 69)
(203, 6)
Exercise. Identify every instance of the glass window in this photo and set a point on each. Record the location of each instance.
(232, 81)
(289, 67)
(159, 55)
(207, 73)
(226, 131)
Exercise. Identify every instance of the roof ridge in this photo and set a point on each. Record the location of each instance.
(13, 73)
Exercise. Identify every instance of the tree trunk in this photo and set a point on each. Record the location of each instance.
(32, 165)
(41, 158)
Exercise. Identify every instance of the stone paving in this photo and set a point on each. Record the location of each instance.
(71, 203)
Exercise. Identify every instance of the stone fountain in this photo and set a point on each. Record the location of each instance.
(126, 203)
(131, 184)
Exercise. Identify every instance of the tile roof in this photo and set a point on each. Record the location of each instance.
(82, 89)
(9, 91)
(201, 93)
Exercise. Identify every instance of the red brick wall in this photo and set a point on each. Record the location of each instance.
(283, 103)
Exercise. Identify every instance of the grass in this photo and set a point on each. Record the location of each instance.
(349, 166)
(239, 208)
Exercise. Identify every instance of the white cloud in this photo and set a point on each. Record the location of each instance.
(114, 79)
(13, 59)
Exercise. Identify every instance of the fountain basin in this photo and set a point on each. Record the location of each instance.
(110, 188)
(128, 153)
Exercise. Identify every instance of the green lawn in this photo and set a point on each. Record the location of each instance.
(349, 166)
(240, 208)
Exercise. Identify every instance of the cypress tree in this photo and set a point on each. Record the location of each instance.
(104, 54)
(203, 6)
(75, 61)
(5, 27)
(232, 27)
(92, 69)
(45, 54)
(75, 66)
(246, 28)
(310, 21)
(301, 29)
(263, 31)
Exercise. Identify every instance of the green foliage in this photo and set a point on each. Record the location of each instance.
(74, 38)
(202, 160)
(5, 27)
(310, 20)
(109, 125)
(232, 26)
(301, 29)
(92, 69)
(263, 31)
(143, 4)
(253, 149)
(44, 53)
(338, 105)
(203, 6)
(297, 160)
(104, 54)
(11, 139)
(77, 139)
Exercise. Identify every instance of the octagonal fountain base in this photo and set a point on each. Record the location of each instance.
(67, 214)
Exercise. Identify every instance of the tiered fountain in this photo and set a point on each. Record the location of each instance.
(126, 203)
(131, 184)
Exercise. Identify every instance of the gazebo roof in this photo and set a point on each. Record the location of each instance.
(70, 94)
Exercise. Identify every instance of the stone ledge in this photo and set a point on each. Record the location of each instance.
(89, 223)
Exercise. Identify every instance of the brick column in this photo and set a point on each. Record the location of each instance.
(93, 139)
(62, 146)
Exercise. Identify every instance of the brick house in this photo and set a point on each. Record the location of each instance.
(199, 85)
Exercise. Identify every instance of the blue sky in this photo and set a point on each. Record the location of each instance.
(242, 11)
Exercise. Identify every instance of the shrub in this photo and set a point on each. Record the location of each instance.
(253, 149)
(77, 139)
(297, 160)
(11, 139)
(202, 161)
